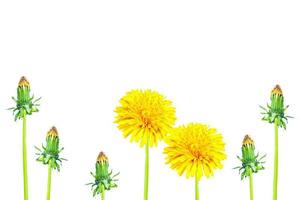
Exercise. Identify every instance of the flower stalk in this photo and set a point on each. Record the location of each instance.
(103, 193)
(275, 175)
(24, 151)
(196, 188)
(25, 105)
(146, 179)
(49, 182)
(251, 185)
(274, 113)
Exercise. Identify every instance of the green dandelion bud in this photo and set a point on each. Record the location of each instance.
(275, 112)
(251, 161)
(49, 154)
(23, 88)
(104, 178)
(25, 103)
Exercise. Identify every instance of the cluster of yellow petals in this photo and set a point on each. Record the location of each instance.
(276, 91)
(146, 116)
(248, 141)
(23, 82)
(195, 149)
(52, 132)
(102, 158)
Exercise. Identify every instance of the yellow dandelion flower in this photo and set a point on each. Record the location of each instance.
(195, 149)
(145, 115)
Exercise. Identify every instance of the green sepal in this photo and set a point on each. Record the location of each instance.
(49, 154)
(251, 162)
(276, 111)
(103, 178)
(25, 104)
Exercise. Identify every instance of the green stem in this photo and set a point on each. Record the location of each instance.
(103, 193)
(24, 146)
(251, 186)
(146, 179)
(196, 188)
(49, 181)
(275, 180)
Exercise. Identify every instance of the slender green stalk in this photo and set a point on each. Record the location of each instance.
(103, 193)
(251, 186)
(275, 180)
(25, 176)
(146, 179)
(49, 181)
(196, 188)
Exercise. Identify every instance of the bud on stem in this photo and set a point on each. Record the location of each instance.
(275, 112)
(25, 103)
(49, 154)
(104, 178)
(251, 162)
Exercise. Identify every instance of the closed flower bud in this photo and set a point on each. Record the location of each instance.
(52, 142)
(251, 162)
(275, 111)
(23, 90)
(104, 178)
(102, 166)
(25, 103)
(277, 100)
(49, 154)
(248, 149)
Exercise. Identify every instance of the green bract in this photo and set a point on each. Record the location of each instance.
(25, 104)
(276, 111)
(251, 162)
(104, 178)
(49, 154)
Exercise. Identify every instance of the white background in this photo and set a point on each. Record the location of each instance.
(216, 60)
